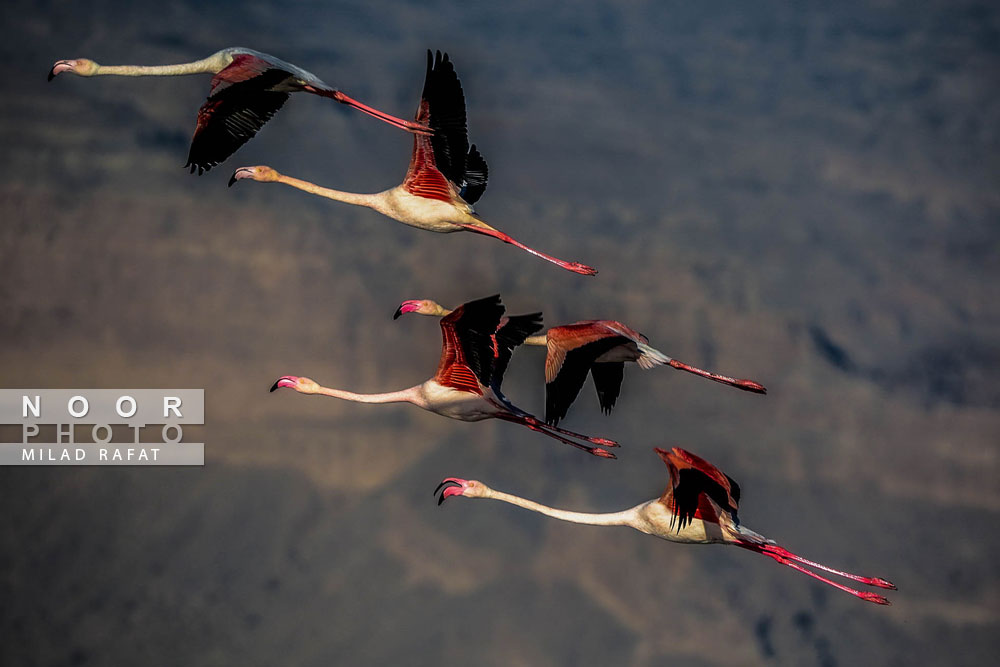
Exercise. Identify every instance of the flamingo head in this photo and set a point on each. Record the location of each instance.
(303, 385)
(260, 173)
(421, 307)
(80, 67)
(455, 486)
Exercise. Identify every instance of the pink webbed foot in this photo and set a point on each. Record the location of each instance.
(582, 269)
(873, 597)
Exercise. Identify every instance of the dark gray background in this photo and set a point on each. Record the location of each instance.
(801, 195)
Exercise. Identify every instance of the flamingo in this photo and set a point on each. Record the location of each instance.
(476, 348)
(248, 87)
(698, 507)
(599, 346)
(445, 178)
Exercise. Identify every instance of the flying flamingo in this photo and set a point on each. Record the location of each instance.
(699, 507)
(474, 355)
(248, 87)
(446, 175)
(599, 346)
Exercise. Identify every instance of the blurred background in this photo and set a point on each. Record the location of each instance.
(803, 195)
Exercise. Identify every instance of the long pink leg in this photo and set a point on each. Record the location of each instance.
(748, 385)
(870, 581)
(574, 434)
(534, 426)
(407, 125)
(785, 560)
(575, 267)
(864, 595)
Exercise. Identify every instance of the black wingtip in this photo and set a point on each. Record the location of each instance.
(274, 386)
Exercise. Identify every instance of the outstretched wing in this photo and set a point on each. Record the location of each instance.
(511, 333)
(446, 101)
(693, 481)
(608, 376)
(476, 175)
(431, 158)
(467, 351)
(233, 114)
(443, 164)
(572, 351)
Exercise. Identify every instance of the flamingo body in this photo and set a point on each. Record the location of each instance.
(699, 506)
(457, 403)
(599, 347)
(477, 342)
(445, 177)
(248, 87)
(433, 215)
(650, 515)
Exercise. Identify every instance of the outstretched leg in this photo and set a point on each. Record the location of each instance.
(575, 267)
(573, 434)
(408, 125)
(747, 385)
(786, 557)
(869, 581)
(535, 425)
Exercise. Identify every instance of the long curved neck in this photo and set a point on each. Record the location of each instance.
(211, 64)
(623, 518)
(355, 198)
(411, 395)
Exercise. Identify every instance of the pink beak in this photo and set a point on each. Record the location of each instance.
(406, 307)
(449, 491)
(240, 174)
(285, 381)
(60, 67)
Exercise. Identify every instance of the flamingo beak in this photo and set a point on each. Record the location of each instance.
(240, 174)
(60, 67)
(285, 381)
(406, 307)
(453, 486)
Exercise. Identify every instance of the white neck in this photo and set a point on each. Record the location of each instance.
(623, 518)
(411, 395)
(213, 64)
(358, 199)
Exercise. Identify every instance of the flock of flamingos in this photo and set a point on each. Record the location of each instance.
(446, 176)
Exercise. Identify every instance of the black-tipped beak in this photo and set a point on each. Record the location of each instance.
(52, 73)
(399, 311)
(446, 484)
(233, 179)
(275, 385)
